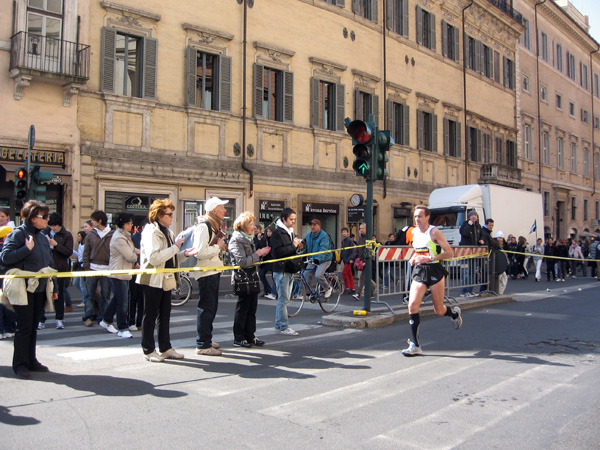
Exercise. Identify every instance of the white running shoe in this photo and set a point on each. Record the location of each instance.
(328, 292)
(412, 349)
(288, 332)
(458, 321)
(125, 334)
(59, 325)
(109, 327)
(133, 328)
(270, 297)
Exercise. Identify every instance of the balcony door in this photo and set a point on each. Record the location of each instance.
(44, 35)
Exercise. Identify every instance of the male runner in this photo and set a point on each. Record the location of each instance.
(430, 248)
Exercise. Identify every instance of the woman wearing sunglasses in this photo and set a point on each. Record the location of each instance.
(26, 248)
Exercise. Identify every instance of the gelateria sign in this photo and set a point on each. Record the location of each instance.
(46, 157)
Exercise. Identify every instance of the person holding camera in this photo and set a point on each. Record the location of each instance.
(318, 241)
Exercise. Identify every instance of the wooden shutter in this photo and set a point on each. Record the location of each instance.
(107, 69)
(314, 103)
(404, 18)
(496, 66)
(419, 25)
(446, 137)
(259, 72)
(358, 109)
(513, 75)
(505, 67)
(406, 119)
(374, 11)
(356, 6)
(288, 97)
(191, 63)
(340, 107)
(149, 63)
(481, 58)
(477, 67)
(434, 133)
(390, 113)
(340, 3)
(458, 139)
(478, 145)
(389, 16)
(420, 136)
(469, 154)
(375, 108)
(432, 32)
(225, 83)
(456, 44)
(444, 39)
(467, 54)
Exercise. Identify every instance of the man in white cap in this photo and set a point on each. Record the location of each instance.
(208, 242)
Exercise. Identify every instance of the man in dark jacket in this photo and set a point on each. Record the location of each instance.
(284, 243)
(470, 234)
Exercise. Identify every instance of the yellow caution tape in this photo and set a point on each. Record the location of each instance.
(550, 256)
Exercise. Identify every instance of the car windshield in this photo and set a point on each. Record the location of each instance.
(448, 218)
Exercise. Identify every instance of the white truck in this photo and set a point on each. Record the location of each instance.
(515, 211)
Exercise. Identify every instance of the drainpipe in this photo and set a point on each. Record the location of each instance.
(593, 141)
(384, 82)
(465, 91)
(244, 103)
(537, 79)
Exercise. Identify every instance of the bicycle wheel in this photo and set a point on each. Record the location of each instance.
(296, 297)
(182, 293)
(328, 305)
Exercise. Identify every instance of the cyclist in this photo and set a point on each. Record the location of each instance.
(318, 241)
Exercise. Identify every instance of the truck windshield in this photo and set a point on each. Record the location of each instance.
(447, 218)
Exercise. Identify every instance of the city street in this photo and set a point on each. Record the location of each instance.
(521, 375)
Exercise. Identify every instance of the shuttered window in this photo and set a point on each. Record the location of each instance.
(474, 139)
(273, 94)
(426, 131)
(365, 104)
(511, 153)
(450, 41)
(398, 122)
(365, 8)
(208, 83)
(509, 73)
(425, 28)
(397, 16)
(128, 64)
(452, 139)
(327, 105)
(339, 3)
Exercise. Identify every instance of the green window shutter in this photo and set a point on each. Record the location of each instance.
(149, 63)
(446, 137)
(191, 59)
(405, 18)
(107, 68)
(225, 83)
(389, 15)
(259, 72)
(288, 97)
(458, 140)
(432, 32)
(420, 137)
(467, 55)
(391, 119)
(444, 39)
(358, 110)
(375, 108)
(434, 133)
(496, 67)
(456, 44)
(340, 107)
(406, 119)
(505, 66)
(314, 103)
(419, 25)
(478, 145)
(513, 76)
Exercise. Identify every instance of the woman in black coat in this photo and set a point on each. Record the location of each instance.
(27, 248)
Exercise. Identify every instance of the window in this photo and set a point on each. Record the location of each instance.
(365, 104)
(573, 208)
(596, 86)
(526, 83)
(544, 94)
(583, 76)
(560, 153)
(365, 8)
(509, 73)
(498, 152)
(511, 153)
(585, 210)
(573, 157)
(596, 122)
(487, 148)
(586, 162)
(572, 109)
(45, 19)
(472, 57)
(527, 144)
(546, 203)
(544, 46)
(451, 138)
(474, 144)
(273, 94)
(558, 58)
(597, 165)
(488, 64)
(526, 36)
(399, 122)
(585, 116)
(208, 80)
(546, 148)
(559, 101)
(128, 64)
(571, 67)
(327, 105)
(450, 41)
(397, 16)
(339, 3)
(425, 28)
(426, 131)
(496, 67)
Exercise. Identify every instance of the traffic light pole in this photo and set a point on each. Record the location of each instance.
(367, 250)
(30, 145)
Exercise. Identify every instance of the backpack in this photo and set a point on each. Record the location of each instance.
(188, 236)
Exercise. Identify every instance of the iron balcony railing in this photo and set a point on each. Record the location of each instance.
(507, 7)
(35, 53)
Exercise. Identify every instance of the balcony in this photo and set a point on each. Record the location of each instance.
(506, 7)
(500, 174)
(54, 60)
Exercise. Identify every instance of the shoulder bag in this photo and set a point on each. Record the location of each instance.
(246, 282)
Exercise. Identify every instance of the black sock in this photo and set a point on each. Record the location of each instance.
(414, 320)
(450, 313)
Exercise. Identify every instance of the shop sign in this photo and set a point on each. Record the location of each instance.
(46, 157)
(320, 208)
(401, 212)
(138, 203)
(272, 205)
(356, 214)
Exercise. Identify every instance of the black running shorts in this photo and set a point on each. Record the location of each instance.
(429, 274)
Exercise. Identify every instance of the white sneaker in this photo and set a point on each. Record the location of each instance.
(328, 292)
(458, 321)
(109, 327)
(270, 297)
(125, 334)
(154, 357)
(41, 325)
(412, 349)
(133, 328)
(288, 332)
(59, 325)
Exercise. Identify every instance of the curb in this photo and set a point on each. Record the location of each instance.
(382, 317)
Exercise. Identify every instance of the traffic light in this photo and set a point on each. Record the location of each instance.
(363, 142)
(380, 155)
(21, 184)
(36, 189)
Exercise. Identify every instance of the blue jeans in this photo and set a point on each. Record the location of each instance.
(466, 279)
(317, 272)
(207, 309)
(92, 284)
(81, 284)
(119, 303)
(283, 281)
(263, 278)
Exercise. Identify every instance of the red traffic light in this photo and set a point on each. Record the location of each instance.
(21, 174)
(360, 131)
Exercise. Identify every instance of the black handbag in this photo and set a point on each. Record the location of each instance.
(246, 282)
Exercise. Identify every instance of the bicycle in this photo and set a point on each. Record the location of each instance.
(301, 292)
(182, 293)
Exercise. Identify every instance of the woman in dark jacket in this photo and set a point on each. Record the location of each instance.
(562, 251)
(27, 248)
(241, 247)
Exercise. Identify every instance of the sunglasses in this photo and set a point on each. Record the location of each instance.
(168, 214)
(45, 216)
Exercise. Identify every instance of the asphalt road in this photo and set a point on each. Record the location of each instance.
(521, 375)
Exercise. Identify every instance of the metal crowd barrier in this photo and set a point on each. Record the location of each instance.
(468, 269)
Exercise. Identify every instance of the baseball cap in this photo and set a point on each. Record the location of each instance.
(499, 234)
(213, 202)
(315, 222)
